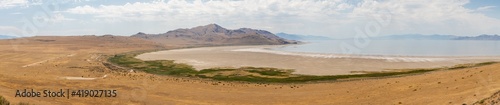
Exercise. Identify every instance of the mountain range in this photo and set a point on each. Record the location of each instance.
(417, 37)
(301, 37)
(6, 37)
(213, 34)
(438, 37)
(396, 37)
(480, 37)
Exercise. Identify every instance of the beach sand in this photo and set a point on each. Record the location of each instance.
(302, 63)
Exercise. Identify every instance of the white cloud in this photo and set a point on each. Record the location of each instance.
(12, 3)
(430, 17)
(485, 8)
(328, 17)
(58, 17)
(7, 4)
(176, 9)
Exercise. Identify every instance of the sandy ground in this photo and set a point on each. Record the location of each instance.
(302, 63)
(53, 63)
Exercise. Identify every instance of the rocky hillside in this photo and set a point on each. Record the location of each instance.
(214, 34)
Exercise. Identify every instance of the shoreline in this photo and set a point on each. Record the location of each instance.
(302, 63)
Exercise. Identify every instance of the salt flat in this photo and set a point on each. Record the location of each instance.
(303, 63)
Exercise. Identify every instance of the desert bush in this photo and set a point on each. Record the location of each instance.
(4, 101)
(23, 103)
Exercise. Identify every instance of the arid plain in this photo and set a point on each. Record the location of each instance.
(45, 62)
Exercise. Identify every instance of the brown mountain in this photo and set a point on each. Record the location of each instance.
(214, 34)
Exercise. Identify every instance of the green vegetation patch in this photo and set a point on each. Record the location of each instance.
(4, 101)
(163, 67)
(269, 71)
(470, 65)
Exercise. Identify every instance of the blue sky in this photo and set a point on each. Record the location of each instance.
(334, 18)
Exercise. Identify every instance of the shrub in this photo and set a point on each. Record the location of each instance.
(23, 103)
(4, 101)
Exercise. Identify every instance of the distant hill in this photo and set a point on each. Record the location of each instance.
(214, 34)
(6, 37)
(301, 37)
(417, 37)
(480, 37)
(439, 37)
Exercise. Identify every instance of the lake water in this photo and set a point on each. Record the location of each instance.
(399, 47)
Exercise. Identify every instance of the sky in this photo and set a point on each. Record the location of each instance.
(333, 18)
